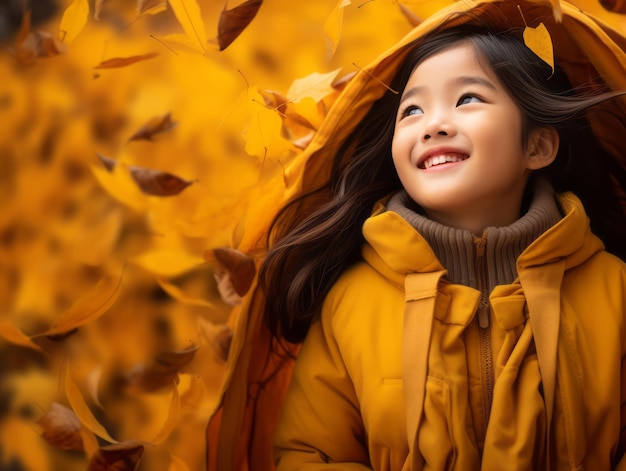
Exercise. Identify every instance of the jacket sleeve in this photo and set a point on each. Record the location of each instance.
(320, 425)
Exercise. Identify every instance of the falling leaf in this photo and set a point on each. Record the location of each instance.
(190, 17)
(240, 267)
(74, 20)
(61, 428)
(80, 407)
(151, 182)
(539, 41)
(11, 333)
(89, 307)
(178, 294)
(124, 456)
(156, 125)
(38, 44)
(151, 6)
(226, 288)
(97, 9)
(173, 415)
(332, 28)
(315, 85)
(414, 20)
(232, 22)
(218, 336)
(24, 28)
(162, 371)
(124, 61)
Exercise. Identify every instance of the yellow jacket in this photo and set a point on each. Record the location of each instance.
(558, 337)
(240, 433)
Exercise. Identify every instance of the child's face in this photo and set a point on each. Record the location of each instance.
(457, 144)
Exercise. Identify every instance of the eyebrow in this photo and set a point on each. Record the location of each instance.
(463, 80)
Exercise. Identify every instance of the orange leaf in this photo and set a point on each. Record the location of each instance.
(151, 6)
(89, 307)
(539, 41)
(81, 409)
(38, 44)
(178, 294)
(124, 456)
(124, 61)
(156, 125)
(74, 20)
(61, 428)
(239, 266)
(151, 182)
(162, 371)
(173, 415)
(232, 22)
(11, 333)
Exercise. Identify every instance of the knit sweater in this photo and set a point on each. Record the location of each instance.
(456, 248)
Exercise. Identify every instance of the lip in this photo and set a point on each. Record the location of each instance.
(439, 151)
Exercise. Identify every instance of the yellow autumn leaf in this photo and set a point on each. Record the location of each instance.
(12, 334)
(315, 85)
(172, 417)
(166, 261)
(74, 20)
(190, 18)
(263, 134)
(332, 28)
(178, 294)
(89, 307)
(539, 41)
(80, 407)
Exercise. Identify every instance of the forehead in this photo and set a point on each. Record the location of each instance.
(458, 58)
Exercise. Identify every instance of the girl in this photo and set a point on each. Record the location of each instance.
(471, 319)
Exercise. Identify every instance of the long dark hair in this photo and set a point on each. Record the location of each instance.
(316, 237)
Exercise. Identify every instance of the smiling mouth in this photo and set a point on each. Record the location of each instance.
(442, 159)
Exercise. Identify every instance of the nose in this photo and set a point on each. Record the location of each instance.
(438, 126)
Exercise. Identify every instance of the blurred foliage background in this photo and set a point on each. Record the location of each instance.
(131, 149)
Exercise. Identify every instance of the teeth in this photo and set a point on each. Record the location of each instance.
(442, 159)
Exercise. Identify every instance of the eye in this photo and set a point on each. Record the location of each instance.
(468, 98)
(410, 111)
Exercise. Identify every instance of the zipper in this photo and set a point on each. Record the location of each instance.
(486, 349)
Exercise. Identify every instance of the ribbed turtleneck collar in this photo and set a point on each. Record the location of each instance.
(456, 248)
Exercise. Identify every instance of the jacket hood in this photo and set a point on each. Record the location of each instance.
(584, 47)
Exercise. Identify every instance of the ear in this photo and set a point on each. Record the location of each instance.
(543, 144)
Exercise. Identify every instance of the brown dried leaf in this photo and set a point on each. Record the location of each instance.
(239, 266)
(24, 29)
(124, 61)
(11, 333)
(124, 456)
(232, 22)
(156, 125)
(219, 337)
(61, 428)
(162, 371)
(221, 341)
(151, 182)
(157, 183)
(97, 9)
(226, 288)
(38, 44)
